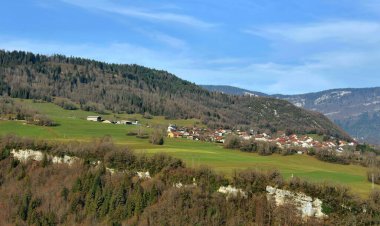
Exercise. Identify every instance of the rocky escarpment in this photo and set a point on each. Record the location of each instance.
(25, 155)
(308, 206)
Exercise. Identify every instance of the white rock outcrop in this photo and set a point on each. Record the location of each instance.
(25, 155)
(308, 206)
(144, 175)
(232, 191)
(180, 185)
(65, 159)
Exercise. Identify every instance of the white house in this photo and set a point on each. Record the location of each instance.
(94, 118)
(172, 128)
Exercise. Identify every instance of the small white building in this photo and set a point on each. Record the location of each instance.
(135, 122)
(172, 128)
(94, 118)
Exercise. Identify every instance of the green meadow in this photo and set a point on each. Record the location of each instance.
(73, 126)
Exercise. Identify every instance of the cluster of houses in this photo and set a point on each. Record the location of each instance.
(119, 122)
(283, 141)
(304, 141)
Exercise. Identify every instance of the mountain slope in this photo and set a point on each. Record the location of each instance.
(232, 90)
(136, 89)
(357, 111)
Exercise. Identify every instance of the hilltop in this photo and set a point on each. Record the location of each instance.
(103, 87)
(233, 90)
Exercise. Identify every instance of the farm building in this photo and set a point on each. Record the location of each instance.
(94, 118)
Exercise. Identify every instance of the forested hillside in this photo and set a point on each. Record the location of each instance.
(87, 192)
(104, 87)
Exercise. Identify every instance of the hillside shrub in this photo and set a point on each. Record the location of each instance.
(66, 104)
(331, 156)
(376, 175)
(147, 115)
(232, 142)
(157, 137)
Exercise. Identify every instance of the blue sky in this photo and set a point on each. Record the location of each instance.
(279, 46)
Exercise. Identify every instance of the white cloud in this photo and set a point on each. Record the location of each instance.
(144, 14)
(324, 55)
(345, 31)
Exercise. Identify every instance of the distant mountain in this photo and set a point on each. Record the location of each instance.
(99, 86)
(232, 90)
(357, 111)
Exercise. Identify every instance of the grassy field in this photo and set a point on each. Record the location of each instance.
(72, 125)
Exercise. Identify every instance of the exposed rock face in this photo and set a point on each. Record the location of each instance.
(144, 175)
(180, 185)
(25, 155)
(308, 206)
(232, 191)
(65, 159)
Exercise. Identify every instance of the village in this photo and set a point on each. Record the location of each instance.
(281, 139)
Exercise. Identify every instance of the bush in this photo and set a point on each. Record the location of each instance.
(248, 146)
(95, 107)
(66, 104)
(311, 151)
(290, 151)
(376, 175)
(4, 153)
(330, 156)
(265, 148)
(157, 137)
(232, 142)
(120, 159)
(42, 120)
(147, 115)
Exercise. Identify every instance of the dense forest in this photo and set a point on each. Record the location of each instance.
(105, 87)
(84, 193)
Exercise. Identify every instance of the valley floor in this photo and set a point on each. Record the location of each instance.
(73, 126)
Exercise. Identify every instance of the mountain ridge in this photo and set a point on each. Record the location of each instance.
(356, 110)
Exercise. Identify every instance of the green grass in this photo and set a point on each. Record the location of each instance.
(73, 126)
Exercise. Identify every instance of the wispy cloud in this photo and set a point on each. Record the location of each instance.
(167, 40)
(341, 31)
(152, 15)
